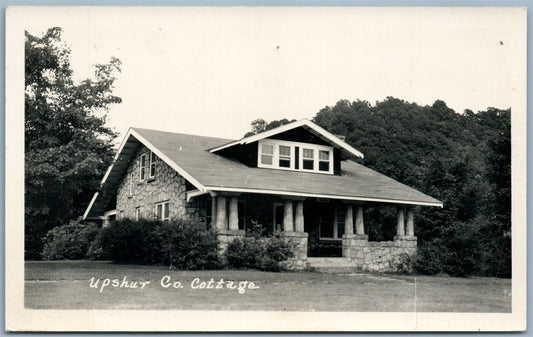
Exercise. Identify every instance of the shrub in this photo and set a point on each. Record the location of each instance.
(268, 253)
(187, 246)
(405, 263)
(178, 244)
(130, 241)
(71, 241)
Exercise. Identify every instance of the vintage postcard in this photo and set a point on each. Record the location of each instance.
(265, 169)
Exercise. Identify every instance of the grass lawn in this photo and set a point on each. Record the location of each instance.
(66, 285)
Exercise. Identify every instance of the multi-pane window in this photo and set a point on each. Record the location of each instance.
(308, 159)
(288, 155)
(267, 154)
(142, 169)
(162, 211)
(284, 156)
(152, 164)
(323, 161)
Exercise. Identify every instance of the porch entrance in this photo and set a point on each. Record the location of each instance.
(324, 221)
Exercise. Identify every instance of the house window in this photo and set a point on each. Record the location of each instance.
(284, 156)
(287, 155)
(308, 159)
(137, 213)
(162, 211)
(267, 154)
(131, 184)
(152, 164)
(142, 171)
(323, 161)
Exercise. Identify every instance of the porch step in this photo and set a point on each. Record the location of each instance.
(330, 264)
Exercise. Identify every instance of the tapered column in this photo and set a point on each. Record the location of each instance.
(233, 214)
(288, 224)
(359, 222)
(348, 220)
(299, 217)
(222, 220)
(410, 223)
(400, 227)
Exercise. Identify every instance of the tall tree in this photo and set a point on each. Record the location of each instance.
(67, 144)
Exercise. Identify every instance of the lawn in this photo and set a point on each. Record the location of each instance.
(73, 285)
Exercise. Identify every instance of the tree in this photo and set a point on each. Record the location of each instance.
(463, 160)
(67, 146)
(260, 125)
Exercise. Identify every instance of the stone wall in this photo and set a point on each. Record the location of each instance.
(299, 240)
(166, 186)
(378, 256)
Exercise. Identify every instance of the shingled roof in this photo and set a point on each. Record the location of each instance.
(189, 155)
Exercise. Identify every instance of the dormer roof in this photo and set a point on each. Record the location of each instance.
(345, 148)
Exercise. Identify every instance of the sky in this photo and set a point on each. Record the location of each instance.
(212, 71)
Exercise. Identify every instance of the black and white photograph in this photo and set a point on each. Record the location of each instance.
(265, 169)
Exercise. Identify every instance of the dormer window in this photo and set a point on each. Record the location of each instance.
(287, 155)
(267, 154)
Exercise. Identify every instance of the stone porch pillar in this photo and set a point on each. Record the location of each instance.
(299, 217)
(233, 214)
(352, 244)
(400, 227)
(359, 222)
(288, 225)
(221, 218)
(227, 231)
(410, 222)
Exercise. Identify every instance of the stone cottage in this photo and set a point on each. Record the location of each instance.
(298, 179)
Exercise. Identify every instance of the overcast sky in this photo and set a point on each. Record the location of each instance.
(212, 71)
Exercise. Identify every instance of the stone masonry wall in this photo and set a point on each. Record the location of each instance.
(167, 185)
(378, 256)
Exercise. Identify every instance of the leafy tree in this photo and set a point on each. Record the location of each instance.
(260, 125)
(67, 145)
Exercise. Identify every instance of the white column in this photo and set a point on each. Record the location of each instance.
(288, 225)
(410, 222)
(299, 217)
(233, 214)
(348, 221)
(400, 227)
(222, 220)
(359, 222)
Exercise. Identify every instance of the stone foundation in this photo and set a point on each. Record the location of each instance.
(299, 239)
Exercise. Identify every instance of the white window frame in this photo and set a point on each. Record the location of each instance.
(142, 169)
(163, 204)
(275, 158)
(151, 164)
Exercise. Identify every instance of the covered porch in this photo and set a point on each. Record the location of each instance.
(320, 227)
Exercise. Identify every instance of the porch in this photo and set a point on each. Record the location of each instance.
(326, 231)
